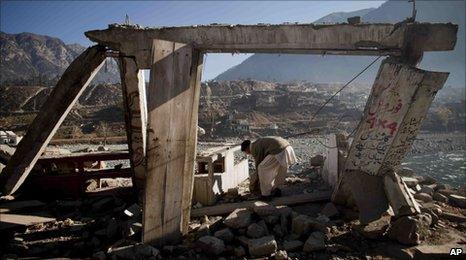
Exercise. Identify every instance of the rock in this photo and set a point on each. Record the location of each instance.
(264, 246)
(264, 209)
(239, 218)
(424, 197)
(131, 228)
(446, 192)
(211, 245)
(458, 200)
(225, 235)
(317, 160)
(427, 189)
(133, 211)
(146, 250)
(255, 231)
(410, 182)
(453, 217)
(102, 204)
(294, 245)
(281, 255)
(302, 224)
(315, 242)
(264, 226)
(410, 230)
(239, 251)
(112, 228)
(244, 241)
(271, 220)
(426, 180)
(330, 210)
(375, 229)
(406, 172)
(440, 197)
(278, 231)
(99, 255)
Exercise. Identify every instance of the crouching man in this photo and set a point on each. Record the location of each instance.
(272, 155)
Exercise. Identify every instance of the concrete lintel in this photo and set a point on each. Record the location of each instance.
(338, 39)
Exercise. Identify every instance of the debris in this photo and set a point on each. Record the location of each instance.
(458, 200)
(317, 160)
(133, 211)
(330, 210)
(375, 229)
(410, 230)
(315, 242)
(281, 255)
(440, 197)
(264, 246)
(264, 209)
(423, 197)
(239, 218)
(427, 189)
(302, 224)
(453, 217)
(211, 245)
(410, 182)
(225, 235)
(293, 245)
(255, 231)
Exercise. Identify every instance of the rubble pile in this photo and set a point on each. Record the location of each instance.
(109, 227)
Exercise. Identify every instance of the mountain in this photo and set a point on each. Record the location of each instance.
(314, 68)
(39, 59)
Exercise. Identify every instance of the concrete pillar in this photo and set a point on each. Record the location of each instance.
(173, 98)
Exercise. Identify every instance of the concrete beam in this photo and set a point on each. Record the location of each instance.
(173, 99)
(134, 100)
(65, 94)
(338, 39)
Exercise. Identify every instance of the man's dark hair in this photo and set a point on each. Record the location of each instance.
(245, 145)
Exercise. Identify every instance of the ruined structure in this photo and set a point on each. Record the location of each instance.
(162, 123)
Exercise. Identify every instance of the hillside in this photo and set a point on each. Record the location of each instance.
(314, 68)
(31, 59)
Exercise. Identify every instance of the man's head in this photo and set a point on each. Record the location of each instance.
(246, 146)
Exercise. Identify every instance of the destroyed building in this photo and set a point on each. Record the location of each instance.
(161, 125)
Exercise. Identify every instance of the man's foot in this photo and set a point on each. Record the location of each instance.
(276, 192)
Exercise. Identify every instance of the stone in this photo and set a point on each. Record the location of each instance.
(294, 245)
(375, 229)
(244, 241)
(278, 231)
(255, 231)
(264, 209)
(239, 218)
(410, 182)
(225, 235)
(446, 192)
(458, 200)
(317, 160)
(281, 255)
(239, 251)
(146, 250)
(271, 220)
(264, 226)
(315, 242)
(440, 197)
(112, 228)
(406, 172)
(330, 210)
(133, 211)
(426, 180)
(264, 246)
(410, 230)
(424, 197)
(427, 189)
(303, 224)
(211, 245)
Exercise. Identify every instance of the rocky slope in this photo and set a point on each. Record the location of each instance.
(283, 68)
(28, 58)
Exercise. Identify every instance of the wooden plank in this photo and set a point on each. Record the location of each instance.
(134, 100)
(172, 125)
(12, 220)
(338, 39)
(65, 94)
(227, 208)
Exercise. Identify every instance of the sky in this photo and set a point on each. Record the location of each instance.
(68, 20)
